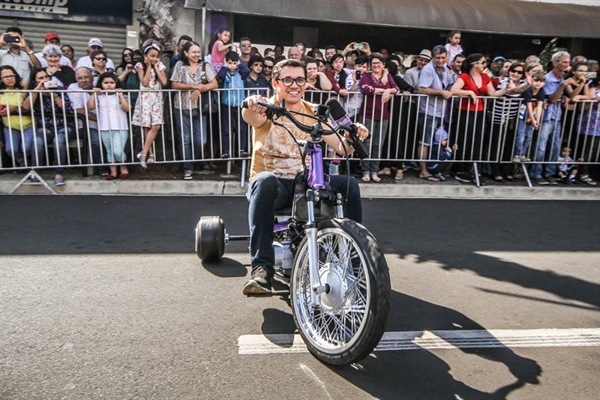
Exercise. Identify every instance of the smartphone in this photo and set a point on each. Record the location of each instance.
(11, 39)
(358, 75)
(50, 85)
(591, 75)
(358, 46)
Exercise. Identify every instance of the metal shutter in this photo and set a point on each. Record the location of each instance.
(75, 34)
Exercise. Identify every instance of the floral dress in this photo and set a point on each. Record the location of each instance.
(149, 105)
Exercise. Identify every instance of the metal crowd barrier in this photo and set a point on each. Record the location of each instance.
(212, 129)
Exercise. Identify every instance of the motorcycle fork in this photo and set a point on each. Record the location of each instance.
(313, 255)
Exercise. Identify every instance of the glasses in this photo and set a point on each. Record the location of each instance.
(518, 71)
(257, 65)
(100, 59)
(287, 81)
(265, 66)
(9, 76)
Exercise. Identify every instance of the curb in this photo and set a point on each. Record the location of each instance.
(233, 188)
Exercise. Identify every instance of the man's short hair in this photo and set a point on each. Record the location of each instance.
(269, 59)
(184, 37)
(268, 49)
(336, 56)
(232, 56)
(461, 55)
(437, 50)
(558, 55)
(245, 39)
(360, 60)
(255, 58)
(287, 63)
(14, 29)
(331, 47)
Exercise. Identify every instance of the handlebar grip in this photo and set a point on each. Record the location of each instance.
(359, 146)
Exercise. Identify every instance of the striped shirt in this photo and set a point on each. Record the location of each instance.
(506, 108)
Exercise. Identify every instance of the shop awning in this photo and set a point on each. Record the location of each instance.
(495, 16)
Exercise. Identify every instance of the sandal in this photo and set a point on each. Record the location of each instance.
(142, 157)
(587, 179)
(151, 159)
(499, 178)
(385, 171)
(399, 175)
(430, 178)
(110, 177)
(366, 178)
(375, 178)
(124, 175)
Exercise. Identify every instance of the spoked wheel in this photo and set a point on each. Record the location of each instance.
(210, 239)
(351, 318)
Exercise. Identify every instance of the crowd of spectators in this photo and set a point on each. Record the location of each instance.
(440, 105)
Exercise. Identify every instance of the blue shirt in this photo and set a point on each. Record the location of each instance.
(554, 111)
(430, 78)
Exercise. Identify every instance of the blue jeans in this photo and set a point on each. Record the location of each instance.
(16, 146)
(232, 122)
(523, 140)
(267, 193)
(191, 135)
(549, 135)
(58, 140)
(114, 143)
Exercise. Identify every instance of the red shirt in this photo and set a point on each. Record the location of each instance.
(467, 103)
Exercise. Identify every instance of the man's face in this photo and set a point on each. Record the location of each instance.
(53, 41)
(291, 94)
(267, 68)
(232, 66)
(182, 43)
(421, 62)
(294, 53)
(246, 47)
(329, 53)
(270, 53)
(563, 63)
(257, 67)
(457, 65)
(84, 78)
(350, 60)
(439, 60)
(496, 66)
(91, 49)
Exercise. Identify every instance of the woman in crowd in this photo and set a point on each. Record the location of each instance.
(69, 52)
(148, 111)
(99, 59)
(575, 92)
(337, 75)
(587, 143)
(221, 44)
(126, 65)
(472, 85)
(112, 112)
(131, 84)
(378, 92)
(49, 108)
(18, 129)
(59, 74)
(316, 81)
(194, 78)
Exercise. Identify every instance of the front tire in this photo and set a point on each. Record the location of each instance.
(351, 319)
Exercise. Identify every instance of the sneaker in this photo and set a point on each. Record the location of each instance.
(540, 181)
(260, 282)
(565, 180)
(225, 156)
(525, 159)
(550, 180)
(33, 179)
(516, 159)
(463, 177)
(59, 181)
(244, 154)
(440, 176)
(188, 175)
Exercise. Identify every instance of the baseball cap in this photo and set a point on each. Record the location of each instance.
(52, 35)
(426, 54)
(499, 58)
(95, 42)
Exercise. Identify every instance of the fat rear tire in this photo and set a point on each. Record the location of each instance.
(210, 239)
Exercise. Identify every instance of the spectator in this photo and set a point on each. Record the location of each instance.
(49, 107)
(294, 53)
(434, 81)
(472, 85)
(268, 64)
(69, 53)
(578, 60)
(385, 52)
(183, 39)
(233, 77)
(132, 80)
(79, 95)
(93, 45)
(254, 51)
(269, 52)
(278, 51)
(456, 66)
(378, 92)
(530, 118)
(337, 75)
(316, 81)
(412, 75)
(256, 80)
(588, 138)
(355, 97)
(245, 50)
(575, 92)
(126, 65)
(302, 47)
(453, 46)
(440, 152)
(495, 71)
(505, 70)
(19, 55)
(356, 47)
(148, 112)
(195, 78)
(220, 46)
(99, 61)
(330, 51)
(567, 170)
(18, 129)
(52, 39)
(551, 125)
(532, 59)
(316, 54)
(112, 112)
(62, 75)
(350, 61)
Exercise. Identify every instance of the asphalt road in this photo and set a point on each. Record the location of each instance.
(103, 297)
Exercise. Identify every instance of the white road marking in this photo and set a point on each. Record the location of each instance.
(436, 340)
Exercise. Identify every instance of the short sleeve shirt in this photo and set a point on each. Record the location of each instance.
(20, 62)
(554, 111)
(203, 75)
(79, 99)
(432, 79)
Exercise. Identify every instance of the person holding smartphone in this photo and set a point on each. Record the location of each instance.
(18, 55)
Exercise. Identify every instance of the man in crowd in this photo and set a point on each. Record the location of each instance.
(18, 55)
(86, 61)
(269, 52)
(268, 64)
(434, 81)
(412, 75)
(456, 66)
(246, 50)
(302, 47)
(183, 39)
(330, 51)
(294, 53)
(53, 39)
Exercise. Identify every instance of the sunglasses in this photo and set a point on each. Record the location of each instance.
(100, 59)
(267, 66)
(518, 71)
(9, 76)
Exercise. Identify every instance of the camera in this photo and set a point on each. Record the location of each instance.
(11, 39)
(358, 75)
(358, 46)
(591, 75)
(50, 85)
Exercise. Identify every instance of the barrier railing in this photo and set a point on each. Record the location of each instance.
(57, 129)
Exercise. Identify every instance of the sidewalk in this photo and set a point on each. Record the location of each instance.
(165, 180)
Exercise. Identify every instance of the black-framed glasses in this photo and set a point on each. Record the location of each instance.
(9, 76)
(287, 81)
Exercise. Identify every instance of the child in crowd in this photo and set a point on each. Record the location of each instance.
(148, 111)
(440, 152)
(112, 121)
(355, 98)
(256, 80)
(221, 45)
(530, 116)
(567, 171)
(453, 46)
(232, 76)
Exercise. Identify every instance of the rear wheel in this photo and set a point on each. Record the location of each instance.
(351, 318)
(210, 239)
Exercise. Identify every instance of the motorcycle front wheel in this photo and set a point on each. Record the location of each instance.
(350, 320)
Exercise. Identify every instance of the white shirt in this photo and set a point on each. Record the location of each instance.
(87, 62)
(111, 116)
(64, 61)
(79, 99)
